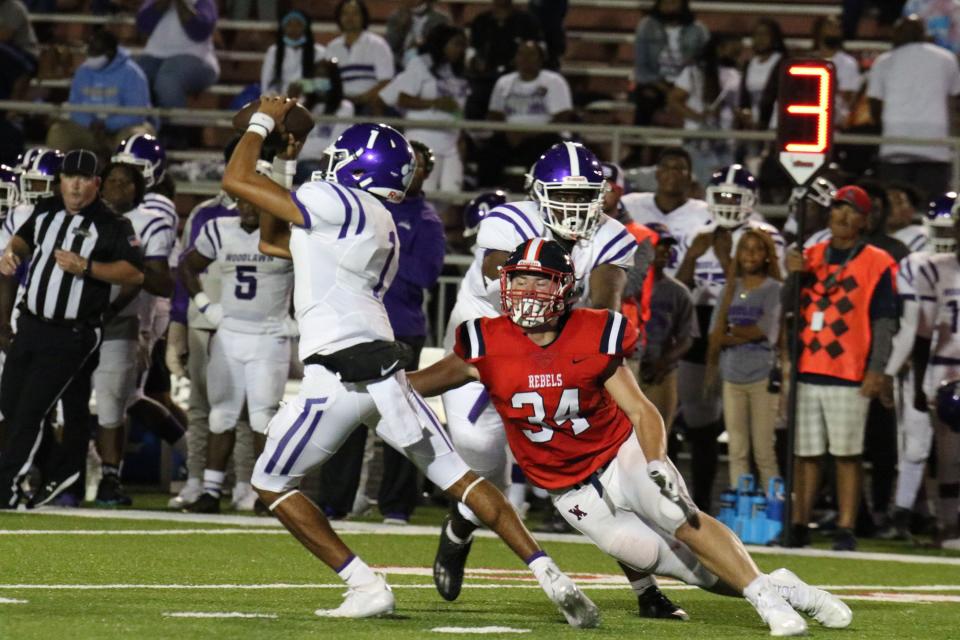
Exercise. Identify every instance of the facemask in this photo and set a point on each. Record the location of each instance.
(833, 42)
(290, 42)
(96, 62)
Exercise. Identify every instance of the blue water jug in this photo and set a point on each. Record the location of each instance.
(776, 501)
(728, 507)
(745, 488)
(756, 529)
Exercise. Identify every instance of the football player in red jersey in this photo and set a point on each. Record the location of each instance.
(580, 427)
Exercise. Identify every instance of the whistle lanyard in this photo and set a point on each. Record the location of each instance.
(829, 285)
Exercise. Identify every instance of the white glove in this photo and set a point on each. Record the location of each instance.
(176, 354)
(664, 476)
(212, 311)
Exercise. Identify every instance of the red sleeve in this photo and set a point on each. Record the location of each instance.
(470, 344)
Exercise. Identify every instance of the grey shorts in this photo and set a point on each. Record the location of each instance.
(830, 417)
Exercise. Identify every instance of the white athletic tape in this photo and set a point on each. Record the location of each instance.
(469, 488)
(276, 503)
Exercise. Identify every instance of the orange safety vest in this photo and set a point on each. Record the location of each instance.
(842, 346)
(637, 309)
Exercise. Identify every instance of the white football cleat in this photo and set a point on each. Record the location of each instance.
(773, 609)
(368, 601)
(189, 494)
(243, 498)
(822, 606)
(576, 607)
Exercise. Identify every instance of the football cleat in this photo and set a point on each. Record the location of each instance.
(778, 615)
(822, 606)
(188, 495)
(206, 503)
(243, 498)
(576, 607)
(449, 563)
(654, 604)
(368, 601)
(110, 493)
(49, 491)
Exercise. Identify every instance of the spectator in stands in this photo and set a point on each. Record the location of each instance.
(409, 27)
(529, 95)
(912, 91)
(743, 343)
(433, 87)
(323, 96)
(550, 14)
(941, 19)
(19, 50)
(761, 78)
(108, 77)
(494, 37)
(706, 94)
(365, 59)
(178, 58)
(667, 40)
(292, 56)
(828, 44)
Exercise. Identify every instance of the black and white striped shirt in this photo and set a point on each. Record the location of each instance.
(95, 233)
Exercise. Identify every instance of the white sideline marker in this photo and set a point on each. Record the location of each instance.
(12, 601)
(478, 630)
(214, 614)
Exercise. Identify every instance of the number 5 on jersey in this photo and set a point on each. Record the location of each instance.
(246, 288)
(568, 410)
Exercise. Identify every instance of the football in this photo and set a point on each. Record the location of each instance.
(298, 121)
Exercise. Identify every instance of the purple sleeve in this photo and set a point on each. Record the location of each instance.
(200, 27)
(422, 263)
(148, 16)
(179, 302)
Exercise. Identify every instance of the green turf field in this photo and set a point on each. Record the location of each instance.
(98, 577)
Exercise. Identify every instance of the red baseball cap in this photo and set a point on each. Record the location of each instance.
(855, 197)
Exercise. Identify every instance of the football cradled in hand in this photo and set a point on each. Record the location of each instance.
(298, 120)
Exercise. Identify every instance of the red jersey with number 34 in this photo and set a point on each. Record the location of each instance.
(561, 423)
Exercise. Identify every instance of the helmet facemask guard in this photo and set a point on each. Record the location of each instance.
(549, 297)
(9, 195)
(941, 231)
(730, 204)
(570, 208)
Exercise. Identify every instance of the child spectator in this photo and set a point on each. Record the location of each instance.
(291, 57)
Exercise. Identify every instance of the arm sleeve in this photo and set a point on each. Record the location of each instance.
(618, 250)
(157, 241)
(403, 83)
(147, 17)
(558, 95)
(619, 337)
(324, 201)
(207, 243)
(200, 27)
(499, 231)
(383, 63)
(126, 246)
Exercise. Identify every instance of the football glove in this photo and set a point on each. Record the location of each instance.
(664, 476)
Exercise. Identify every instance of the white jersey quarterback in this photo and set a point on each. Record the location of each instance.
(508, 226)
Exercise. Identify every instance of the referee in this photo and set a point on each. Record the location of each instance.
(77, 248)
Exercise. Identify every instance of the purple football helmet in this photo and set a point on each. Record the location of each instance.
(731, 195)
(477, 208)
(567, 182)
(9, 187)
(27, 157)
(144, 151)
(948, 404)
(37, 179)
(371, 157)
(938, 221)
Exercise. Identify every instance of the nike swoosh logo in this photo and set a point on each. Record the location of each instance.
(385, 370)
(578, 360)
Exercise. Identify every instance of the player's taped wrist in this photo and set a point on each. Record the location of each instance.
(261, 124)
(284, 171)
(202, 300)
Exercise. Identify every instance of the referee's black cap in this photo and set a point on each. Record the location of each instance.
(79, 162)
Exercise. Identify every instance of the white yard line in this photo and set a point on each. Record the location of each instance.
(375, 528)
(478, 630)
(12, 601)
(214, 614)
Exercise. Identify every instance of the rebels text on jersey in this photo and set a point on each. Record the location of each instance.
(560, 421)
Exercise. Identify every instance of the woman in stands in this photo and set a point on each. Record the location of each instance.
(292, 56)
(365, 59)
(761, 80)
(433, 87)
(323, 96)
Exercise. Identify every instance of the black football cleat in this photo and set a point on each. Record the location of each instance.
(448, 565)
(206, 503)
(110, 493)
(654, 604)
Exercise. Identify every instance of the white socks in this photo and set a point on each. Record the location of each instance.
(213, 482)
(356, 573)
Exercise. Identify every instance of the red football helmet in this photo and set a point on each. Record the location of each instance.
(549, 295)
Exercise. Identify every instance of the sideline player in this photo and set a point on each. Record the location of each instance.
(580, 427)
(567, 188)
(343, 244)
(250, 350)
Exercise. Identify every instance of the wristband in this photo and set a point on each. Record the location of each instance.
(261, 124)
(202, 300)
